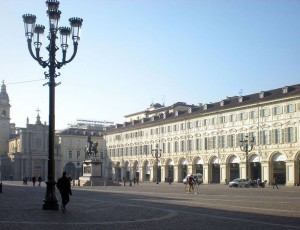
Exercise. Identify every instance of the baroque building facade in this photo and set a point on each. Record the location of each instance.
(207, 139)
(71, 146)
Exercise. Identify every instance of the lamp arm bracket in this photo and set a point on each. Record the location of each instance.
(37, 57)
(60, 64)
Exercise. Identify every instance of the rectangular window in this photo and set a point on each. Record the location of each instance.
(190, 145)
(264, 112)
(277, 136)
(205, 122)
(176, 146)
(214, 142)
(213, 121)
(222, 141)
(206, 142)
(231, 141)
(253, 114)
(175, 127)
(196, 124)
(182, 126)
(290, 108)
(169, 147)
(277, 110)
(289, 134)
(169, 129)
(70, 154)
(222, 119)
(78, 154)
(189, 125)
(232, 117)
(265, 137)
(182, 146)
(164, 147)
(243, 116)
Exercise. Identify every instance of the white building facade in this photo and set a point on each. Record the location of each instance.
(207, 139)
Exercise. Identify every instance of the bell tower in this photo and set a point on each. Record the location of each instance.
(4, 119)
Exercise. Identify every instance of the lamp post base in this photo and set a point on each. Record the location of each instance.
(50, 205)
(50, 201)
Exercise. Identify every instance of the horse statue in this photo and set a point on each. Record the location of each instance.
(91, 148)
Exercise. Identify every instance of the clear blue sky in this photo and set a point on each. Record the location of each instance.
(134, 52)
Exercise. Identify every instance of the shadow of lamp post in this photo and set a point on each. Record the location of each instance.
(246, 146)
(34, 32)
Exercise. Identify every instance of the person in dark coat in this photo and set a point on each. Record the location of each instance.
(64, 187)
(275, 183)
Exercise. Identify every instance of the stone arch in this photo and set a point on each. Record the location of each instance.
(255, 166)
(146, 170)
(214, 162)
(182, 168)
(169, 169)
(233, 165)
(70, 169)
(278, 167)
(198, 163)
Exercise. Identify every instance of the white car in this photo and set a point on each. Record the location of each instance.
(238, 183)
(197, 176)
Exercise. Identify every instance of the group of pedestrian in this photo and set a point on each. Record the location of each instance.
(32, 179)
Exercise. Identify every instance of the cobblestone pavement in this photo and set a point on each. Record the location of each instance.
(152, 206)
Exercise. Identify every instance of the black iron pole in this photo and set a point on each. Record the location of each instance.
(50, 201)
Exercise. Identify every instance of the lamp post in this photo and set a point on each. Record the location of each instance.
(246, 146)
(156, 153)
(34, 33)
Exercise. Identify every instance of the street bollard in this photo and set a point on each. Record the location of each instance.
(0, 187)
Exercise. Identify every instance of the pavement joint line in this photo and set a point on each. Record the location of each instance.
(241, 220)
(241, 207)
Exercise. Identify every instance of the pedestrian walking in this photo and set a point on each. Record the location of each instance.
(170, 180)
(40, 180)
(33, 180)
(275, 182)
(64, 187)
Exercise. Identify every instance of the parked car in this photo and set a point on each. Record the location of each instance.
(238, 183)
(196, 176)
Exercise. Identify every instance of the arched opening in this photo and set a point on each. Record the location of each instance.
(279, 168)
(183, 169)
(158, 171)
(234, 168)
(199, 165)
(118, 172)
(136, 169)
(170, 170)
(147, 171)
(215, 170)
(109, 170)
(127, 171)
(70, 169)
(255, 167)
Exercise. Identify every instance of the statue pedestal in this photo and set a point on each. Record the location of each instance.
(92, 173)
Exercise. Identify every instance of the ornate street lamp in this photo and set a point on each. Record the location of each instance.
(156, 153)
(34, 33)
(247, 146)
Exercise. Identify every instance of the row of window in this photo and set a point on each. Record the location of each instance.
(264, 112)
(266, 137)
(71, 155)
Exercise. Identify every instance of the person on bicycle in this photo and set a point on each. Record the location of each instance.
(191, 182)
